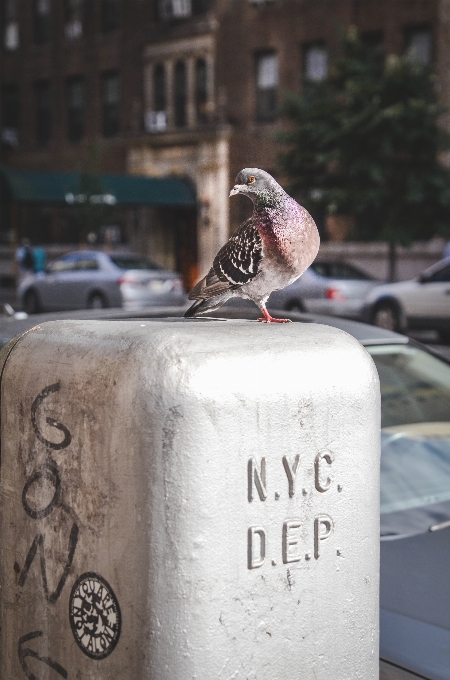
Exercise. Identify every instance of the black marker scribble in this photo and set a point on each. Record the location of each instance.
(48, 471)
(50, 421)
(38, 543)
(24, 652)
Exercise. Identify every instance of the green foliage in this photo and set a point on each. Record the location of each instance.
(366, 142)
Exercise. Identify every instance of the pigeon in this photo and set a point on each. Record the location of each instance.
(267, 252)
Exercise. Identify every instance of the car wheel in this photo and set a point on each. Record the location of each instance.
(31, 302)
(386, 316)
(96, 301)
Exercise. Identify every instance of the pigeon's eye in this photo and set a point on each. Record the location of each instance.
(251, 179)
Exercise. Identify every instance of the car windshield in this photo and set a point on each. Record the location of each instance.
(126, 262)
(415, 439)
(339, 270)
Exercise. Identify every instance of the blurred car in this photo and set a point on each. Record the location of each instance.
(422, 303)
(415, 484)
(95, 279)
(335, 288)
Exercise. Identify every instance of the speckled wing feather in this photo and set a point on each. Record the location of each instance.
(236, 263)
(238, 260)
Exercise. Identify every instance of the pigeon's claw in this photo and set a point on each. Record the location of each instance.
(271, 319)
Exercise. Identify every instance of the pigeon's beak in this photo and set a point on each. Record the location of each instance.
(237, 189)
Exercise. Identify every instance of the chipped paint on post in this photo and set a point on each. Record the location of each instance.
(189, 499)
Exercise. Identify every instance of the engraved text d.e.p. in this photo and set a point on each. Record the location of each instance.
(322, 525)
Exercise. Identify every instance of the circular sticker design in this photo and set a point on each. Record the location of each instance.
(94, 615)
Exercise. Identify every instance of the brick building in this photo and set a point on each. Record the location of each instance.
(71, 99)
(179, 87)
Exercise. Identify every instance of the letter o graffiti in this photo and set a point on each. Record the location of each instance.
(51, 474)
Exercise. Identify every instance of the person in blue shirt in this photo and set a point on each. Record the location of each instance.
(39, 259)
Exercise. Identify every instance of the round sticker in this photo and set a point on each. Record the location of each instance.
(94, 614)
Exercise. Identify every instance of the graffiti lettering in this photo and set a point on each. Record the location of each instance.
(38, 544)
(23, 652)
(47, 471)
(57, 446)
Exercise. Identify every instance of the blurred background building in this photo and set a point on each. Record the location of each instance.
(167, 88)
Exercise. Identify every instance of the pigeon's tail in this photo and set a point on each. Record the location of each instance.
(202, 306)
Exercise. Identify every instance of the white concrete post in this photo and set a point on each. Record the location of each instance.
(189, 499)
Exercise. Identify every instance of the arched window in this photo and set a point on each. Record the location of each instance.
(43, 112)
(42, 20)
(159, 88)
(75, 108)
(266, 86)
(315, 62)
(10, 114)
(110, 15)
(10, 25)
(73, 18)
(180, 94)
(201, 91)
(110, 98)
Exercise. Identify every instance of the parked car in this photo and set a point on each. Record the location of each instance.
(415, 485)
(335, 288)
(422, 303)
(95, 279)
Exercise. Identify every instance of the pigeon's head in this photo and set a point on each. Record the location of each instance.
(258, 185)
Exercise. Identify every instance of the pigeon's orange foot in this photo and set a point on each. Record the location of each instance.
(270, 319)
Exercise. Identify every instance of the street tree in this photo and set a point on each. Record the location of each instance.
(366, 143)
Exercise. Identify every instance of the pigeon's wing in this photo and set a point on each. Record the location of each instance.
(236, 263)
(208, 287)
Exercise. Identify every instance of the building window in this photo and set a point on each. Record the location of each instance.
(266, 86)
(156, 120)
(180, 94)
(10, 23)
(110, 99)
(110, 15)
(42, 18)
(418, 45)
(315, 63)
(159, 85)
(174, 9)
(200, 6)
(73, 18)
(201, 92)
(10, 117)
(75, 109)
(43, 112)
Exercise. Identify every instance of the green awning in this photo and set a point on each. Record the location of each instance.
(66, 187)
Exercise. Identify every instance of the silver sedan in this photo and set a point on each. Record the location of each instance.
(94, 279)
(335, 288)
